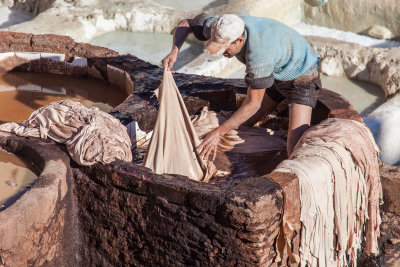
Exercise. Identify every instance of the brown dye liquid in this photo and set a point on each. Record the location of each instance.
(16, 177)
(21, 93)
(246, 165)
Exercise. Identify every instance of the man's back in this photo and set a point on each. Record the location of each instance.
(273, 47)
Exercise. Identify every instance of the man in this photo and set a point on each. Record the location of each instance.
(279, 64)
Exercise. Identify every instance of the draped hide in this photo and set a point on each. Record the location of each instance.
(337, 165)
(90, 135)
(172, 146)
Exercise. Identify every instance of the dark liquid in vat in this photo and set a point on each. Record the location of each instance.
(21, 93)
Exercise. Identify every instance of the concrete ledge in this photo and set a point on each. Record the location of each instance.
(32, 228)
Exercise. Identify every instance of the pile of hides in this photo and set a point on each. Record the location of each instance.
(91, 136)
(337, 166)
(172, 148)
(244, 139)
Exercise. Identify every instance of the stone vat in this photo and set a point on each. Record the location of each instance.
(34, 230)
(123, 214)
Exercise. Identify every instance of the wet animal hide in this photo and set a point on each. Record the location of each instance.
(337, 165)
(244, 139)
(172, 146)
(91, 136)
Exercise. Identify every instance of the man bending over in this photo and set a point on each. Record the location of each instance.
(279, 64)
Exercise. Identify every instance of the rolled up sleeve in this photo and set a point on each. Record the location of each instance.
(258, 83)
(259, 77)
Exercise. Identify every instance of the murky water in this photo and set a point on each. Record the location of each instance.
(151, 47)
(364, 96)
(22, 93)
(246, 165)
(16, 177)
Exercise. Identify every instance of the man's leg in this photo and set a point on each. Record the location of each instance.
(267, 106)
(299, 122)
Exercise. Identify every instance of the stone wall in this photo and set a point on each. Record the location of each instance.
(378, 66)
(37, 229)
(132, 216)
(355, 15)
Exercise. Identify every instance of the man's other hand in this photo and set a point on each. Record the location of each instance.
(209, 145)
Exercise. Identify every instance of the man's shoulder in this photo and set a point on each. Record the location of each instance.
(257, 20)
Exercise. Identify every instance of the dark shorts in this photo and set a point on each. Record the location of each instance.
(303, 90)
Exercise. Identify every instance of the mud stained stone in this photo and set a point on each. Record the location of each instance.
(30, 62)
(143, 218)
(52, 63)
(6, 61)
(116, 77)
(90, 51)
(51, 42)
(95, 74)
(33, 229)
(135, 108)
(97, 69)
(389, 244)
(129, 87)
(390, 176)
(78, 67)
(14, 41)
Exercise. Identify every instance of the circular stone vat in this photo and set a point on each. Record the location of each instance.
(32, 228)
(41, 227)
(143, 218)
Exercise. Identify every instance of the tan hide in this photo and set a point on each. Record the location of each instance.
(337, 165)
(244, 139)
(91, 135)
(172, 146)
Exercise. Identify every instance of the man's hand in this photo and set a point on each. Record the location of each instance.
(170, 59)
(209, 145)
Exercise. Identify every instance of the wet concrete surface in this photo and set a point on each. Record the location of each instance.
(22, 93)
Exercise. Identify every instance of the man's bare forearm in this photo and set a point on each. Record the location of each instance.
(181, 33)
(248, 108)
